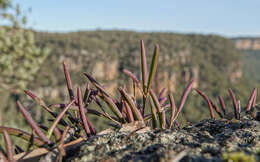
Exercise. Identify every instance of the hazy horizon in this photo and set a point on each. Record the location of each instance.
(222, 17)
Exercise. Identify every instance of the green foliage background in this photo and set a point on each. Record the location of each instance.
(20, 60)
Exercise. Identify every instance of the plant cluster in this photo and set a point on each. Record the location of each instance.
(237, 109)
(71, 125)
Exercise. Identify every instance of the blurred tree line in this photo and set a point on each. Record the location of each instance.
(20, 58)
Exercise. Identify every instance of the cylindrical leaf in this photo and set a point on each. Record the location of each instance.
(234, 100)
(185, 95)
(216, 109)
(32, 123)
(158, 108)
(21, 134)
(250, 100)
(208, 102)
(129, 113)
(173, 110)
(68, 81)
(153, 67)
(82, 113)
(113, 107)
(8, 146)
(132, 105)
(222, 104)
(58, 118)
(144, 66)
(154, 113)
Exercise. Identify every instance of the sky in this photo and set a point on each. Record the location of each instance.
(224, 17)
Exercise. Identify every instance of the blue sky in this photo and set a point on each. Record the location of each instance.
(225, 17)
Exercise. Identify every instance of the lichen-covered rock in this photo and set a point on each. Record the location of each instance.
(208, 140)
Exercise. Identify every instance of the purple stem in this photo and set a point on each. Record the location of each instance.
(68, 81)
(173, 110)
(8, 146)
(222, 104)
(254, 102)
(82, 113)
(32, 123)
(208, 102)
(131, 75)
(251, 100)
(183, 98)
(234, 100)
(162, 93)
(185, 94)
(129, 112)
(216, 109)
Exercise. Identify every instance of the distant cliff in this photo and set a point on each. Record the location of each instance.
(247, 43)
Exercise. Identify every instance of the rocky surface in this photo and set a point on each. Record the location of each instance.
(208, 140)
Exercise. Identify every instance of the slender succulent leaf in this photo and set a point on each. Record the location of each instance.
(82, 113)
(144, 66)
(153, 68)
(251, 100)
(68, 81)
(129, 113)
(158, 108)
(96, 84)
(70, 116)
(239, 109)
(8, 146)
(173, 110)
(254, 101)
(222, 104)
(38, 100)
(234, 100)
(131, 75)
(32, 123)
(56, 132)
(113, 107)
(154, 113)
(63, 136)
(43, 105)
(87, 93)
(58, 118)
(97, 101)
(145, 88)
(156, 101)
(208, 102)
(132, 105)
(62, 151)
(21, 134)
(162, 93)
(184, 96)
(91, 127)
(216, 108)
